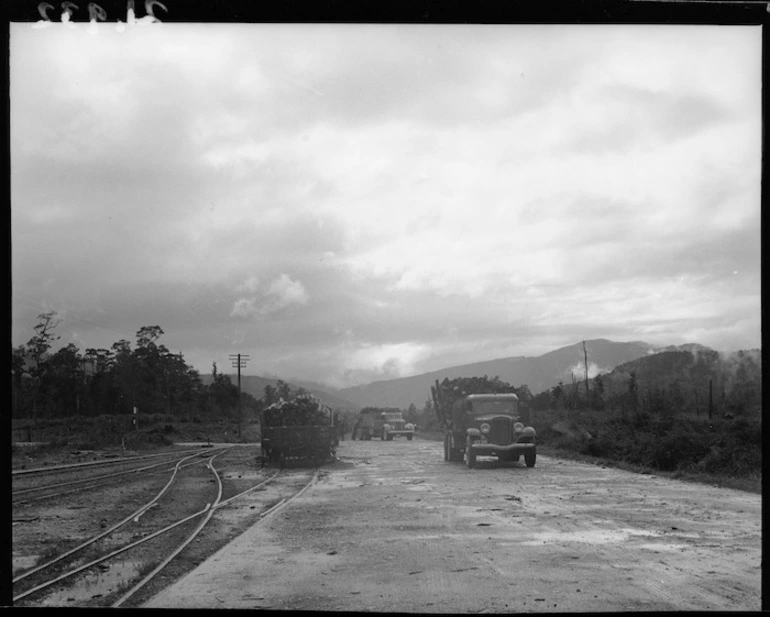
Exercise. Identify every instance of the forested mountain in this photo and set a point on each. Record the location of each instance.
(538, 373)
(687, 379)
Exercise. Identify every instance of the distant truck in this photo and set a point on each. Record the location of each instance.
(367, 424)
(383, 423)
(394, 425)
(483, 424)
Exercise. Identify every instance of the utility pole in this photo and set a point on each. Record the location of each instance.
(585, 356)
(239, 361)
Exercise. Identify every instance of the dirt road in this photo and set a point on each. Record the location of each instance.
(391, 527)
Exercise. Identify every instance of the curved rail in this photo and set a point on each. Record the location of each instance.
(184, 544)
(208, 509)
(90, 486)
(125, 472)
(281, 504)
(95, 539)
(53, 468)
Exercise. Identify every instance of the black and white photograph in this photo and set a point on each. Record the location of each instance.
(384, 317)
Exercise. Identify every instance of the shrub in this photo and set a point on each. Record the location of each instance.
(668, 443)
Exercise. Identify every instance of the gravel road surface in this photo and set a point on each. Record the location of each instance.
(391, 527)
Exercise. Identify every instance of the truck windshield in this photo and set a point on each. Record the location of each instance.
(392, 417)
(493, 407)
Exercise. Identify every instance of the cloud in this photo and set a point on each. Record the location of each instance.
(579, 370)
(245, 307)
(282, 292)
(250, 285)
(285, 292)
(360, 201)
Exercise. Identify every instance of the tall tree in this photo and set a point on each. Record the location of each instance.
(38, 349)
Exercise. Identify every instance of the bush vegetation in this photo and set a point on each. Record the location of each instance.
(731, 447)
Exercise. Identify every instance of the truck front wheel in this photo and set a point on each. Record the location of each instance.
(470, 456)
(455, 453)
(530, 458)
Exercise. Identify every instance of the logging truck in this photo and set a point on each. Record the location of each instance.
(482, 424)
(300, 430)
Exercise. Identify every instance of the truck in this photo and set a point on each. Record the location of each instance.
(482, 424)
(369, 422)
(394, 425)
(385, 423)
(300, 430)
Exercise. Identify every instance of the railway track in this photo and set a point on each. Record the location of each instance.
(163, 538)
(23, 495)
(51, 469)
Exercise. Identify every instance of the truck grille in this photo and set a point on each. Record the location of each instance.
(501, 430)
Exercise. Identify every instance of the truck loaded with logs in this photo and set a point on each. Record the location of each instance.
(299, 430)
(479, 421)
(385, 423)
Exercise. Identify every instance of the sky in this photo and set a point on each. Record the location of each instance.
(351, 203)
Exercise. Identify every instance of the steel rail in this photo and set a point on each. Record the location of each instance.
(184, 544)
(37, 489)
(84, 488)
(200, 527)
(118, 525)
(21, 472)
(110, 555)
(248, 490)
(281, 504)
(166, 529)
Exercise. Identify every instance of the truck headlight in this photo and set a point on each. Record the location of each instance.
(518, 427)
(485, 428)
(386, 427)
(410, 427)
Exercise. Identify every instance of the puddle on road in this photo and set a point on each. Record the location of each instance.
(593, 536)
(663, 547)
(93, 584)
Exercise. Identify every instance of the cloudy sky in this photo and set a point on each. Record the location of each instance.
(348, 203)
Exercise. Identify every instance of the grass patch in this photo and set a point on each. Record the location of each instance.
(750, 484)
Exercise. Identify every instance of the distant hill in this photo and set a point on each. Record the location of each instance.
(255, 386)
(688, 368)
(538, 373)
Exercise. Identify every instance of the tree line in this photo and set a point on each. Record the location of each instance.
(146, 378)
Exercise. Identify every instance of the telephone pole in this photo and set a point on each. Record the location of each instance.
(239, 361)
